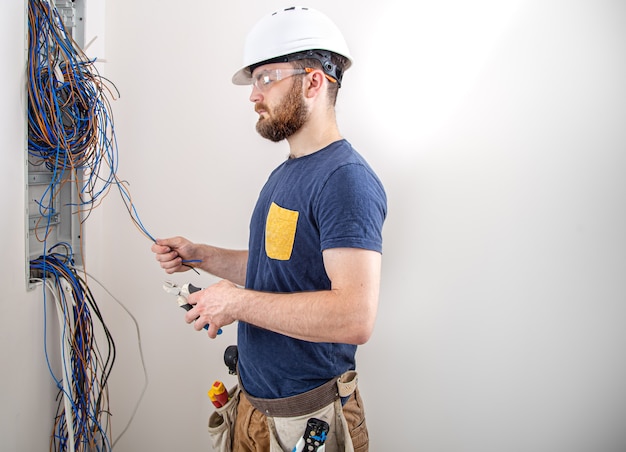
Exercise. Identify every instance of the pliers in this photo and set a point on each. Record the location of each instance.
(182, 293)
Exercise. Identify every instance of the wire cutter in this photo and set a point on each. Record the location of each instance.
(182, 292)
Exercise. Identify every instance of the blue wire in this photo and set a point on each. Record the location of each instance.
(79, 98)
(72, 134)
(85, 417)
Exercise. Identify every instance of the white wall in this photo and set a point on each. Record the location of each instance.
(497, 128)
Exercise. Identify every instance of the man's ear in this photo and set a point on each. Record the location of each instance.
(314, 83)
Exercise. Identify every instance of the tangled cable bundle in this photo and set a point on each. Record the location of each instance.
(82, 419)
(71, 137)
(70, 126)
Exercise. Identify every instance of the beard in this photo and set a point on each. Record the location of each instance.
(287, 118)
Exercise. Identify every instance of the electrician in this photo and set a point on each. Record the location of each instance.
(305, 292)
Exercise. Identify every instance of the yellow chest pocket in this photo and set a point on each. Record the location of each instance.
(280, 232)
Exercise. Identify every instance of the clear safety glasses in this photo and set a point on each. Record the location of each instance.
(263, 79)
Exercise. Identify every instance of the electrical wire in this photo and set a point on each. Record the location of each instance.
(71, 130)
(86, 369)
(60, 282)
(143, 363)
(71, 135)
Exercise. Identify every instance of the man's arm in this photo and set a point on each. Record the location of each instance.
(346, 313)
(173, 253)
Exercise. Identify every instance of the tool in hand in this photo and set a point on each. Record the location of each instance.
(218, 394)
(182, 293)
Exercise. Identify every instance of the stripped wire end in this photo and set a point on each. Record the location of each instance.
(189, 262)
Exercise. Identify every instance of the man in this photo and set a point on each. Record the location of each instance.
(305, 292)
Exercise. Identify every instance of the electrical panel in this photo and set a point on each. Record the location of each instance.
(52, 216)
(72, 13)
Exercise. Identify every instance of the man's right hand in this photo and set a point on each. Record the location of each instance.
(172, 253)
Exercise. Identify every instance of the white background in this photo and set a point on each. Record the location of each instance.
(498, 130)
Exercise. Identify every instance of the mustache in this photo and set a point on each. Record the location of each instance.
(260, 107)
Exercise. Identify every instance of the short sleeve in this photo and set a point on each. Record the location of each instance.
(351, 209)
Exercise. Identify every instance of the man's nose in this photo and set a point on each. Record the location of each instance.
(255, 95)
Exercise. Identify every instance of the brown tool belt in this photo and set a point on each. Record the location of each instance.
(307, 402)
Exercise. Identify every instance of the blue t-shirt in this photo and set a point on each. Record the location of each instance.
(328, 199)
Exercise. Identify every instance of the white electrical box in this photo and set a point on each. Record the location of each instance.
(53, 217)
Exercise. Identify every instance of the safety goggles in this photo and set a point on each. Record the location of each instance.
(264, 79)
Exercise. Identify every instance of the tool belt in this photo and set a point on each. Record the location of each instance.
(307, 402)
(289, 414)
(287, 417)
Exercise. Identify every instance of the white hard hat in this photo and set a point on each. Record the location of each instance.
(290, 34)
